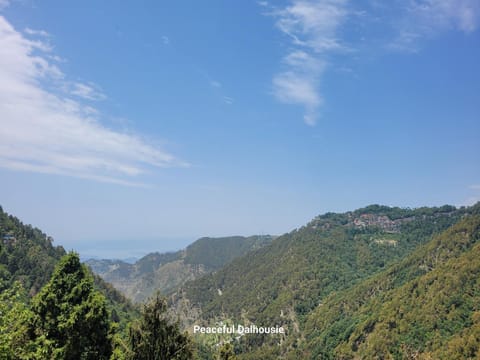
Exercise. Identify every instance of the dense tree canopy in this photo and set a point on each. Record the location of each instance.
(70, 318)
(354, 285)
(154, 337)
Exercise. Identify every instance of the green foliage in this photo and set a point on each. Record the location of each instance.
(166, 272)
(154, 337)
(415, 309)
(213, 253)
(14, 317)
(365, 284)
(27, 261)
(151, 262)
(70, 318)
(26, 254)
(395, 213)
(121, 310)
(283, 282)
(226, 352)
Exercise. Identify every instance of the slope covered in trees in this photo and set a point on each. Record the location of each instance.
(26, 254)
(378, 282)
(426, 306)
(282, 283)
(167, 271)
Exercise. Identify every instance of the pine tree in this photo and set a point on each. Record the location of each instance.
(154, 337)
(70, 317)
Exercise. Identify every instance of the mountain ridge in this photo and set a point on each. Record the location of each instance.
(440, 271)
(283, 282)
(167, 271)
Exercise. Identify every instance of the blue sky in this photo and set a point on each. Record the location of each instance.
(128, 127)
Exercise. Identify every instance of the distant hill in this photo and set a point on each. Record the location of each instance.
(286, 282)
(167, 271)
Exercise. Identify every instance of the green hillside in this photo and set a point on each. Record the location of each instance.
(374, 283)
(428, 305)
(26, 254)
(213, 253)
(282, 283)
(167, 271)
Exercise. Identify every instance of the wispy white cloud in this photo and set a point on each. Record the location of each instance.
(312, 28)
(313, 24)
(299, 83)
(89, 92)
(315, 33)
(228, 100)
(475, 187)
(165, 40)
(56, 58)
(435, 15)
(42, 33)
(426, 18)
(44, 131)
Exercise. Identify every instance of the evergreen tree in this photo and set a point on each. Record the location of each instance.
(154, 337)
(70, 318)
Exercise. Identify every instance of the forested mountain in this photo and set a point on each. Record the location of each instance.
(427, 306)
(285, 282)
(167, 271)
(374, 283)
(26, 254)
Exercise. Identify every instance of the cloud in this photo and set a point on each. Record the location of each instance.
(43, 130)
(427, 18)
(437, 15)
(228, 100)
(299, 83)
(4, 4)
(312, 28)
(313, 24)
(88, 92)
(32, 32)
(56, 58)
(165, 40)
